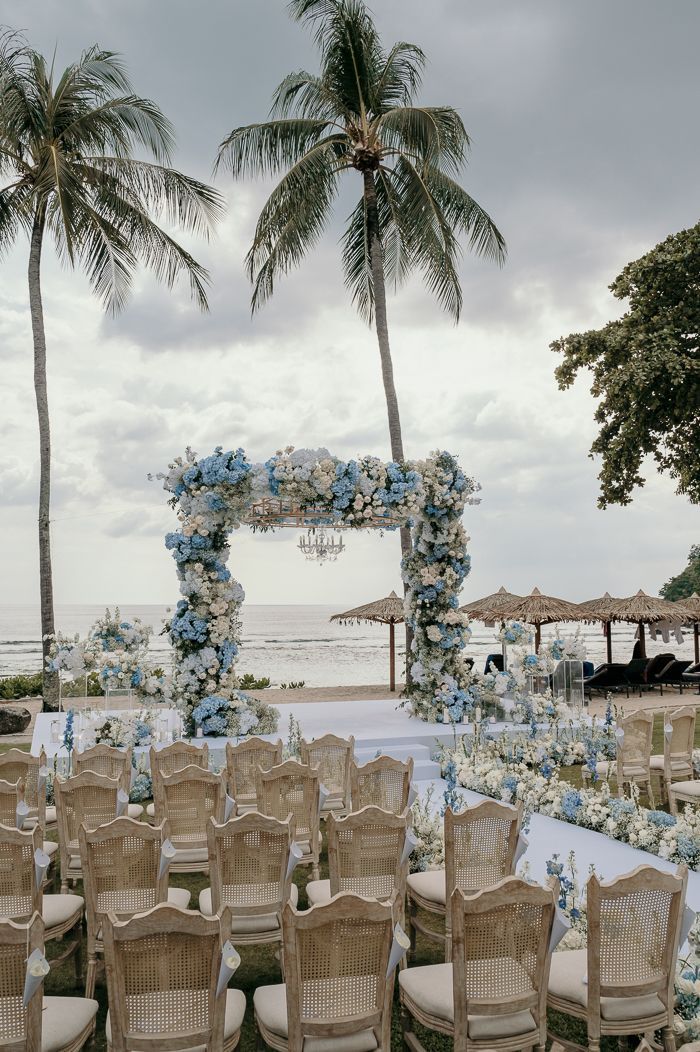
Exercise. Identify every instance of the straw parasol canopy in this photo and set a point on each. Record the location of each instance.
(692, 605)
(603, 608)
(643, 609)
(537, 609)
(388, 611)
(489, 603)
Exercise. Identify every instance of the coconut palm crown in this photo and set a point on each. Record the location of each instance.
(67, 169)
(359, 115)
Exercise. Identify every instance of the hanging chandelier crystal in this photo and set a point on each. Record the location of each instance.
(320, 545)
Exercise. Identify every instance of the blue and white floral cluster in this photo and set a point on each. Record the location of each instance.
(434, 571)
(117, 650)
(214, 495)
(515, 633)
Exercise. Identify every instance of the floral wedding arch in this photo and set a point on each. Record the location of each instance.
(215, 495)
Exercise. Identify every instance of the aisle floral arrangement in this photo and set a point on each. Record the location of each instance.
(512, 778)
(213, 496)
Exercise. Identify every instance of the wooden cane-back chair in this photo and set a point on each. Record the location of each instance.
(633, 753)
(480, 846)
(169, 760)
(248, 859)
(121, 864)
(333, 756)
(365, 852)
(292, 788)
(89, 800)
(676, 761)
(383, 782)
(494, 993)
(242, 762)
(623, 982)
(189, 798)
(21, 895)
(16, 765)
(336, 958)
(11, 795)
(162, 974)
(69, 1022)
(112, 763)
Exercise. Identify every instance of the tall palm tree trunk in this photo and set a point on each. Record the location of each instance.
(380, 317)
(50, 680)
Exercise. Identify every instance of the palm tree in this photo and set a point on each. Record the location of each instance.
(66, 147)
(359, 115)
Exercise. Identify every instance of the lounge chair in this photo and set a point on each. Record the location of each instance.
(636, 673)
(607, 678)
(672, 675)
(656, 666)
(494, 659)
(691, 676)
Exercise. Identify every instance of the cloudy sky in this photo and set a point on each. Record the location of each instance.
(583, 118)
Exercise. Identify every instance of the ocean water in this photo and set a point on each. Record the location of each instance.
(290, 643)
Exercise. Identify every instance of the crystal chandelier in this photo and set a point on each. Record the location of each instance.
(320, 545)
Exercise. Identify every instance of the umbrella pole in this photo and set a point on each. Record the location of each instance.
(642, 641)
(696, 637)
(392, 659)
(608, 639)
(538, 636)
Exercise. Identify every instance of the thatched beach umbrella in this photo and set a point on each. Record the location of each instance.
(642, 609)
(489, 603)
(387, 611)
(603, 608)
(537, 609)
(692, 605)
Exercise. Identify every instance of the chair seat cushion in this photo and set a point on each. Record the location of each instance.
(63, 1020)
(179, 897)
(271, 1009)
(691, 788)
(151, 810)
(134, 810)
(190, 856)
(429, 885)
(50, 815)
(566, 983)
(59, 909)
(656, 763)
(247, 925)
(318, 891)
(430, 988)
(233, 1019)
(50, 847)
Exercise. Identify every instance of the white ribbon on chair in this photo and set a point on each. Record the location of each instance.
(668, 731)
(37, 970)
(230, 960)
(323, 794)
(412, 794)
(520, 848)
(41, 865)
(229, 807)
(560, 926)
(122, 802)
(689, 916)
(42, 777)
(167, 854)
(410, 844)
(620, 735)
(295, 857)
(399, 948)
(21, 813)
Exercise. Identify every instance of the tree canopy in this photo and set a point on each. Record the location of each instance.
(646, 372)
(687, 581)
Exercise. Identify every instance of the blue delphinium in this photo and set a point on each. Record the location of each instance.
(451, 798)
(571, 804)
(68, 731)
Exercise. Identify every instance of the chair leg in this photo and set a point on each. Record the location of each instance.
(650, 794)
(78, 957)
(672, 803)
(668, 1039)
(91, 975)
(412, 910)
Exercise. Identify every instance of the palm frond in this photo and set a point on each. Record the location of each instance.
(292, 219)
(352, 57)
(262, 149)
(434, 134)
(14, 214)
(184, 201)
(401, 76)
(119, 125)
(466, 216)
(308, 96)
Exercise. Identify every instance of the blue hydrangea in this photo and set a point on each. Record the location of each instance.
(661, 818)
(570, 804)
